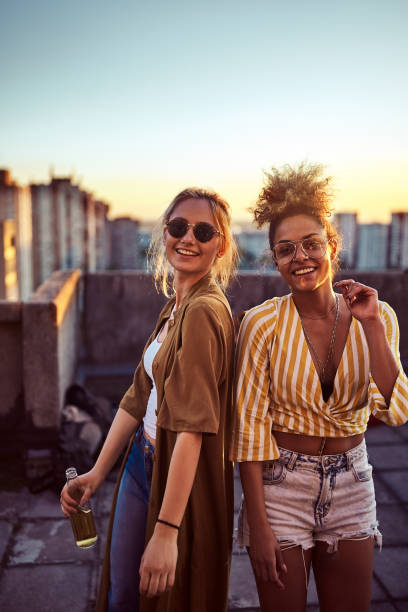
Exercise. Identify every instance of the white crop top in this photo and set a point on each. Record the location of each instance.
(150, 417)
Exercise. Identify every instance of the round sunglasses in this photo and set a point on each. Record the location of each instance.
(203, 231)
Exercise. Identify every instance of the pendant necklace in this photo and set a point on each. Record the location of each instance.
(322, 367)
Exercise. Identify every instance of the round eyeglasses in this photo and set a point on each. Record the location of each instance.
(203, 231)
(284, 252)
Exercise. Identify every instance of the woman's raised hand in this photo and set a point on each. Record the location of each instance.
(362, 301)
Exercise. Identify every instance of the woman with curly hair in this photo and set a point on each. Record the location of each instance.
(311, 368)
(175, 489)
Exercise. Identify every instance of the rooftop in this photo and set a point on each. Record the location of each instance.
(40, 563)
(91, 329)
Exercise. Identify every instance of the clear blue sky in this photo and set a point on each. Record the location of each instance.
(142, 99)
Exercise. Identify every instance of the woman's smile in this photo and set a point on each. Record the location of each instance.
(186, 252)
(304, 271)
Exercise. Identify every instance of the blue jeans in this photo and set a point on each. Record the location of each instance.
(129, 527)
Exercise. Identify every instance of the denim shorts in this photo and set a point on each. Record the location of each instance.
(311, 498)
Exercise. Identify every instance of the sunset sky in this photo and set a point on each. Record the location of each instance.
(139, 99)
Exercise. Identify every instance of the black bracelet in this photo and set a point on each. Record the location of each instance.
(168, 524)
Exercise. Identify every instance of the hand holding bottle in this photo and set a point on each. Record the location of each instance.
(80, 494)
(75, 504)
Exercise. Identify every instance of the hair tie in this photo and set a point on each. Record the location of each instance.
(168, 524)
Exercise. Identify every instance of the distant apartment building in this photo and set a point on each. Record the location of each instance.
(347, 225)
(57, 226)
(253, 248)
(69, 229)
(8, 261)
(127, 252)
(372, 246)
(102, 236)
(15, 205)
(89, 244)
(43, 233)
(398, 246)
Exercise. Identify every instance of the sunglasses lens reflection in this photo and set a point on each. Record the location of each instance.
(177, 228)
(203, 232)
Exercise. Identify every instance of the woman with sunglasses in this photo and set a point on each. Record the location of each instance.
(311, 368)
(175, 490)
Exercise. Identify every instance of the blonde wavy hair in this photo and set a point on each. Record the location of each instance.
(297, 190)
(223, 268)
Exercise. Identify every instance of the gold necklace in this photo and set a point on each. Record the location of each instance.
(322, 367)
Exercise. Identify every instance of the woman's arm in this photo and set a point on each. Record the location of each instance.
(123, 426)
(362, 302)
(253, 441)
(158, 566)
(264, 549)
(384, 368)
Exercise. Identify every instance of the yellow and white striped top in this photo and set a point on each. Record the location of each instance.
(278, 387)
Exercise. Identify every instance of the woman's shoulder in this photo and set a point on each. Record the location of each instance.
(212, 302)
(267, 311)
(386, 309)
(208, 312)
(260, 321)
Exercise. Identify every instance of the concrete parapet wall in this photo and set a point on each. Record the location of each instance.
(121, 307)
(251, 288)
(51, 327)
(119, 313)
(11, 363)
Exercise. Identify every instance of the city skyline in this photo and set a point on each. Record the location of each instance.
(139, 101)
(59, 226)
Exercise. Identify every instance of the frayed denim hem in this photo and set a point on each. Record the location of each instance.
(332, 539)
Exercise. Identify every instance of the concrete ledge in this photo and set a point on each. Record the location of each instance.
(121, 307)
(58, 290)
(11, 376)
(120, 311)
(51, 323)
(10, 311)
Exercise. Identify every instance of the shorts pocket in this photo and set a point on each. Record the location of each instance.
(362, 474)
(274, 472)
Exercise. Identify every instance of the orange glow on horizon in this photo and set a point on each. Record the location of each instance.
(372, 197)
(373, 190)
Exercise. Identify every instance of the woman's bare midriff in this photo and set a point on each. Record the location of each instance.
(316, 445)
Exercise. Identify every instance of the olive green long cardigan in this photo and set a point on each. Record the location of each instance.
(193, 372)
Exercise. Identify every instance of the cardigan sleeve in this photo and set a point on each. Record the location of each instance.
(252, 438)
(191, 400)
(397, 411)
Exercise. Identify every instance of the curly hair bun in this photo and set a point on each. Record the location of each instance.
(291, 191)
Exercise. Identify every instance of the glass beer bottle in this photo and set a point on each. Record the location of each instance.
(82, 521)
